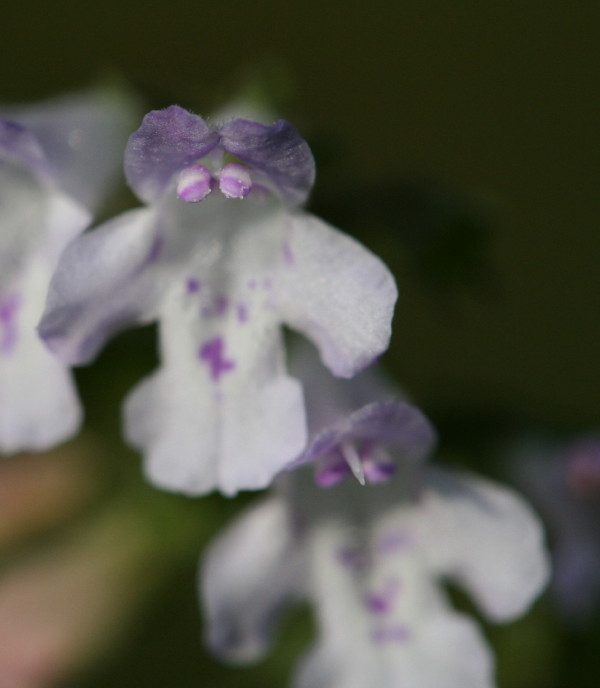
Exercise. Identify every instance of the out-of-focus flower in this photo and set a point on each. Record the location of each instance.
(563, 482)
(372, 560)
(221, 276)
(57, 160)
(352, 434)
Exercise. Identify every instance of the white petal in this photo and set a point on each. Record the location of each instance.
(38, 401)
(23, 215)
(202, 427)
(83, 136)
(221, 412)
(65, 219)
(486, 538)
(248, 575)
(337, 293)
(104, 280)
(383, 621)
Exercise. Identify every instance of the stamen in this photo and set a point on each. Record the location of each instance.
(194, 183)
(353, 460)
(378, 470)
(235, 181)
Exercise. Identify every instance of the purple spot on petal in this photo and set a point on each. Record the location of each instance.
(383, 602)
(217, 309)
(267, 283)
(155, 250)
(242, 312)
(378, 604)
(288, 255)
(9, 335)
(192, 285)
(349, 557)
(252, 284)
(391, 634)
(221, 304)
(212, 353)
(394, 542)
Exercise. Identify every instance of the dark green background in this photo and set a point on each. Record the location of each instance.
(499, 99)
(495, 100)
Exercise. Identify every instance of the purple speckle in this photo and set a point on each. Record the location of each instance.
(350, 557)
(267, 283)
(382, 602)
(9, 335)
(391, 634)
(212, 353)
(155, 250)
(220, 305)
(242, 312)
(393, 542)
(192, 285)
(217, 309)
(288, 255)
(252, 284)
(378, 604)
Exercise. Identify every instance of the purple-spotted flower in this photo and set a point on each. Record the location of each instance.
(57, 160)
(563, 481)
(222, 256)
(350, 433)
(372, 559)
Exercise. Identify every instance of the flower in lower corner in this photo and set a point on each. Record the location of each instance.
(57, 160)
(222, 256)
(372, 559)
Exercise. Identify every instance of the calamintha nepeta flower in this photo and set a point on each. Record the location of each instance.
(57, 160)
(371, 559)
(222, 257)
(563, 481)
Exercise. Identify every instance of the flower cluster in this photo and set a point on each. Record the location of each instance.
(223, 256)
(372, 559)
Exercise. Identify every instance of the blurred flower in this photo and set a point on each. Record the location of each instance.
(352, 434)
(221, 276)
(563, 481)
(372, 560)
(57, 160)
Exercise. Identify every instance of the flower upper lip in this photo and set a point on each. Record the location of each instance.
(172, 139)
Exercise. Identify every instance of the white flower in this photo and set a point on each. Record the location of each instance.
(223, 258)
(372, 559)
(57, 160)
